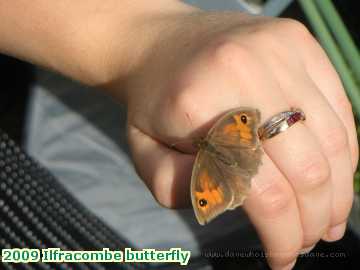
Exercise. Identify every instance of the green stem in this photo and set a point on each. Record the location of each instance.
(341, 35)
(333, 52)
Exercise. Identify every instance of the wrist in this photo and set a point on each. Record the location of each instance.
(112, 47)
(92, 41)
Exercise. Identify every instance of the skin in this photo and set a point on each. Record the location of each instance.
(177, 69)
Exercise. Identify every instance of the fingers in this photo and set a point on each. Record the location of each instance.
(296, 153)
(318, 91)
(298, 156)
(326, 79)
(332, 136)
(165, 172)
(312, 59)
(272, 208)
(300, 160)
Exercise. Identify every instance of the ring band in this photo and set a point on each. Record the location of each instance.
(279, 123)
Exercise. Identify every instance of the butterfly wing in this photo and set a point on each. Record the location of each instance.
(210, 194)
(235, 136)
(223, 170)
(237, 128)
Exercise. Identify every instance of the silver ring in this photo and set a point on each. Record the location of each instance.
(280, 122)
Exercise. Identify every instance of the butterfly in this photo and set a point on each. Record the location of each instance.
(228, 157)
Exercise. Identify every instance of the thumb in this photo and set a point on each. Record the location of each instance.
(165, 171)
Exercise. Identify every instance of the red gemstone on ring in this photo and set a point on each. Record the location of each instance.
(294, 118)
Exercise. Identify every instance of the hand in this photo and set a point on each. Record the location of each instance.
(203, 64)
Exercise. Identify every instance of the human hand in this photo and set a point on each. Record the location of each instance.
(202, 64)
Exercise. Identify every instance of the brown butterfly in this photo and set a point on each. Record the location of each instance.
(228, 158)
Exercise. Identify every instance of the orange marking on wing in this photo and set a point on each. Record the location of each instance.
(206, 182)
(230, 128)
(210, 192)
(238, 126)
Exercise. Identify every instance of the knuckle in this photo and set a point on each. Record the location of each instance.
(275, 199)
(354, 150)
(295, 27)
(312, 172)
(343, 102)
(346, 104)
(229, 54)
(342, 210)
(336, 141)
